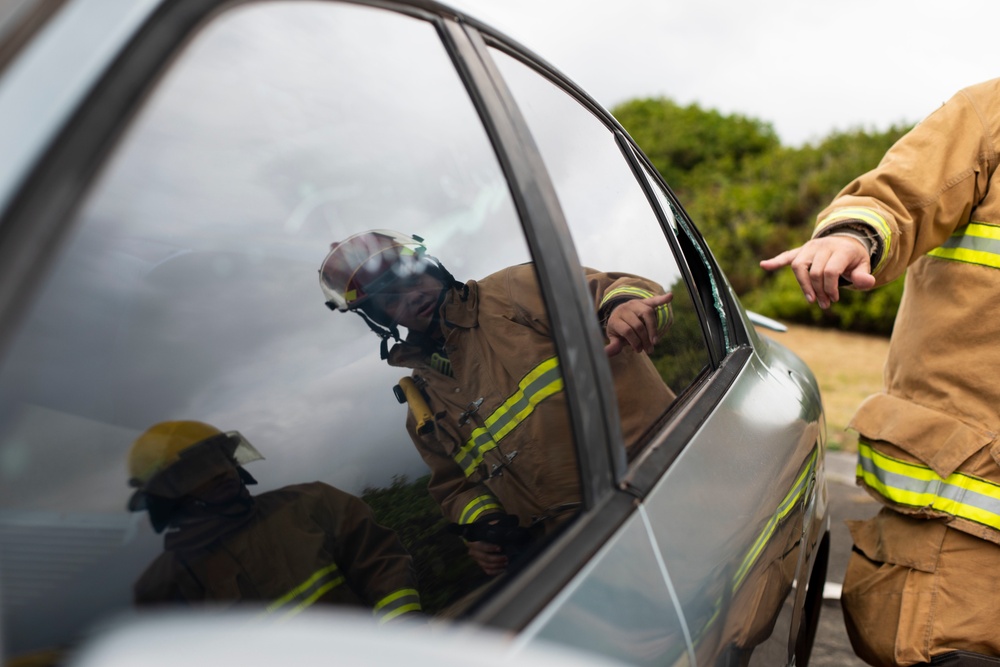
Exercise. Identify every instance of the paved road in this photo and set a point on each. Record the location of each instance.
(847, 501)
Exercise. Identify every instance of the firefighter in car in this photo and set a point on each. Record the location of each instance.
(487, 409)
(287, 549)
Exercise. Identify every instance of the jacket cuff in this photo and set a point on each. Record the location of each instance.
(619, 295)
(864, 224)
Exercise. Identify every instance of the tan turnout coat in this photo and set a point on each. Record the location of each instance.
(502, 440)
(929, 447)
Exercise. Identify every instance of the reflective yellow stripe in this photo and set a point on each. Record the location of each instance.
(914, 485)
(626, 290)
(479, 506)
(308, 591)
(400, 602)
(975, 243)
(540, 383)
(872, 217)
(786, 505)
(662, 312)
(792, 498)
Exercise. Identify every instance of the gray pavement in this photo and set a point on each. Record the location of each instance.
(847, 501)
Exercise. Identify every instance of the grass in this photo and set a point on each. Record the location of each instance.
(848, 367)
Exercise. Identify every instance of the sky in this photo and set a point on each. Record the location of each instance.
(808, 68)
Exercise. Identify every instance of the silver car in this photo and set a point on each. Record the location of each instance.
(172, 174)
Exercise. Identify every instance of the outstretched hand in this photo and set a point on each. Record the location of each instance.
(820, 263)
(633, 324)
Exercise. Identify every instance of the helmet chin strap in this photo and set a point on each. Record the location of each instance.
(385, 332)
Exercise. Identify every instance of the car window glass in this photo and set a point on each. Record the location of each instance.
(614, 226)
(188, 297)
(688, 238)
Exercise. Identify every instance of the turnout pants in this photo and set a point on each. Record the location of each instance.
(916, 589)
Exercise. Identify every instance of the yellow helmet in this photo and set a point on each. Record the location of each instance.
(165, 445)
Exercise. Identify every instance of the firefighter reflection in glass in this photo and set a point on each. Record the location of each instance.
(287, 549)
(486, 404)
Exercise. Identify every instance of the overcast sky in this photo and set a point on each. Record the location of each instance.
(806, 67)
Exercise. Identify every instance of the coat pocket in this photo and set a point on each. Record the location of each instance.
(895, 539)
(933, 438)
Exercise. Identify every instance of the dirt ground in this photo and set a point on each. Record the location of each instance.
(848, 367)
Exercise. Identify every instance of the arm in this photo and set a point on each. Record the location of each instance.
(462, 501)
(925, 187)
(634, 312)
(374, 561)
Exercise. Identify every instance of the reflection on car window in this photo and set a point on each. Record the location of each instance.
(612, 222)
(184, 319)
(292, 547)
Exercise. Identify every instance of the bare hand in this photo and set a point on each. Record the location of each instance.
(488, 556)
(820, 263)
(634, 323)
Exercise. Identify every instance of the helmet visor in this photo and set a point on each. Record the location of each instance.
(367, 263)
(201, 463)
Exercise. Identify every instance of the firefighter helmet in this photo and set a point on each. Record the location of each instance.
(173, 458)
(363, 264)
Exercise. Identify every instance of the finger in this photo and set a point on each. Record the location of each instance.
(640, 318)
(838, 266)
(626, 326)
(659, 300)
(489, 563)
(818, 277)
(862, 278)
(800, 269)
(486, 553)
(780, 260)
(614, 347)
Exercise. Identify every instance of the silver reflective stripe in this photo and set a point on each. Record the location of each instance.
(974, 243)
(918, 486)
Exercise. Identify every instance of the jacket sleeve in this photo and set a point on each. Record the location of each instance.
(462, 501)
(926, 186)
(608, 290)
(371, 556)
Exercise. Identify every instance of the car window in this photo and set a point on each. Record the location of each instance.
(185, 317)
(615, 227)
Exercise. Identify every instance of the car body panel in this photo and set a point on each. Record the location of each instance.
(627, 576)
(759, 535)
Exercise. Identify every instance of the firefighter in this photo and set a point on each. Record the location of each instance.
(488, 413)
(286, 549)
(923, 578)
